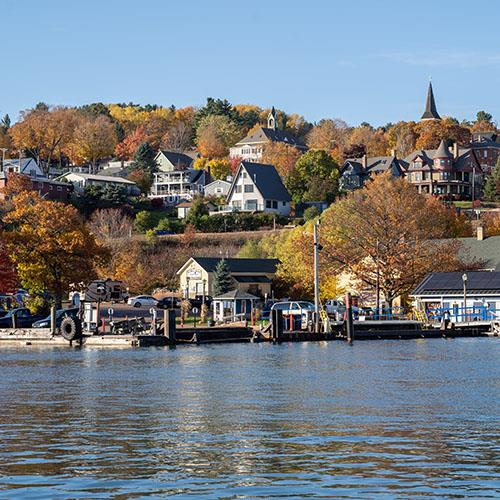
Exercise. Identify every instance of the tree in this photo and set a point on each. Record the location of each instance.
(144, 159)
(144, 220)
(8, 277)
(315, 171)
(482, 116)
(215, 134)
(5, 123)
(196, 212)
(385, 230)
(492, 185)
(282, 156)
(93, 140)
(217, 107)
(144, 180)
(219, 168)
(328, 134)
(431, 132)
(126, 149)
(223, 282)
(402, 137)
(374, 141)
(43, 132)
(178, 138)
(51, 246)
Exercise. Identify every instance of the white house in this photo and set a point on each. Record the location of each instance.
(258, 187)
(81, 181)
(25, 166)
(176, 180)
(217, 188)
(250, 148)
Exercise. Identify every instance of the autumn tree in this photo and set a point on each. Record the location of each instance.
(402, 137)
(44, 133)
(93, 140)
(385, 230)
(282, 156)
(8, 277)
(432, 132)
(219, 168)
(374, 140)
(50, 245)
(126, 149)
(215, 134)
(328, 135)
(178, 138)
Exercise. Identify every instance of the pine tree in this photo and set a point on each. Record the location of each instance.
(223, 282)
(492, 184)
(144, 159)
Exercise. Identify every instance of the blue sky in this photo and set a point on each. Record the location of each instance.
(356, 60)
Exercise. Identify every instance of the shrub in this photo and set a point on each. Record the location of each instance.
(311, 213)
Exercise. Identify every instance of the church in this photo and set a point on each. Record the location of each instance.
(251, 147)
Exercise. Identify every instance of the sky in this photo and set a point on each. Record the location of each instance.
(356, 60)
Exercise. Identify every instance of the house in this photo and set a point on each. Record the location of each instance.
(356, 171)
(46, 188)
(258, 187)
(176, 180)
(217, 188)
(115, 169)
(252, 276)
(486, 148)
(251, 147)
(25, 166)
(234, 305)
(81, 181)
(450, 174)
(481, 249)
(478, 290)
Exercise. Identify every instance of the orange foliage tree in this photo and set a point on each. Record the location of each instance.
(282, 156)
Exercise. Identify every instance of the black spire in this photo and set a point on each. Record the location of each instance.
(430, 112)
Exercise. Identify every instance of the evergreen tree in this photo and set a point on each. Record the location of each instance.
(223, 282)
(196, 213)
(5, 123)
(144, 159)
(492, 184)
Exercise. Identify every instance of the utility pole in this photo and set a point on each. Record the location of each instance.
(3, 150)
(377, 299)
(473, 185)
(316, 278)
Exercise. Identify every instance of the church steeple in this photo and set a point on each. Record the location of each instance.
(430, 112)
(272, 119)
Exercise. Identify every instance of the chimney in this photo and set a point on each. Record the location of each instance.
(365, 161)
(480, 233)
(455, 150)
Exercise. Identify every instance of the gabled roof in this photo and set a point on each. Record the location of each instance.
(96, 177)
(236, 266)
(375, 164)
(236, 294)
(486, 252)
(265, 178)
(478, 282)
(219, 181)
(430, 112)
(264, 134)
(179, 160)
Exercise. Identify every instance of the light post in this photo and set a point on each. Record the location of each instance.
(203, 297)
(187, 288)
(473, 185)
(316, 278)
(377, 298)
(464, 279)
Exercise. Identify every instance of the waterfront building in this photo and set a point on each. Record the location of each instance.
(80, 181)
(252, 276)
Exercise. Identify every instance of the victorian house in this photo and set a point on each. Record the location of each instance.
(251, 147)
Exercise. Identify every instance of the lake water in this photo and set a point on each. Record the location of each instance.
(381, 419)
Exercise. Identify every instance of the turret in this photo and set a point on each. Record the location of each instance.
(272, 120)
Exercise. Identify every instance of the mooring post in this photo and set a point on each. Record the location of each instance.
(171, 327)
(348, 319)
(277, 325)
(53, 320)
(13, 320)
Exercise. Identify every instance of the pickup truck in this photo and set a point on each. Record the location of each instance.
(334, 307)
(23, 318)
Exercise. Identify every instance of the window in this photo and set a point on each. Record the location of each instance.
(284, 203)
(275, 204)
(248, 188)
(244, 175)
(485, 153)
(59, 188)
(268, 203)
(238, 189)
(218, 190)
(51, 187)
(417, 176)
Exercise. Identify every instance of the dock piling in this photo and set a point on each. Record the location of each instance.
(169, 326)
(348, 319)
(53, 320)
(277, 325)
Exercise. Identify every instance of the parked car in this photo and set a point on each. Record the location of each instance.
(198, 301)
(142, 301)
(294, 308)
(168, 303)
(334, 307)
(60, 315)
(23, 318)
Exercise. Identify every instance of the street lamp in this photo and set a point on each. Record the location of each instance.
(464, 279)
(316, 277)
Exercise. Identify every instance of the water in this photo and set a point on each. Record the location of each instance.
(386, 419)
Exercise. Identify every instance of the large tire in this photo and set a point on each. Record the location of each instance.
(71, 328)
(137, 305)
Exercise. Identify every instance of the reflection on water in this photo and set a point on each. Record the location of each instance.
(381, 419)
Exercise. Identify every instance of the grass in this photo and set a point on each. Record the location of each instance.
(463, 204)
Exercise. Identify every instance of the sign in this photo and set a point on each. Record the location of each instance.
(194, 274)
(195, 310)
